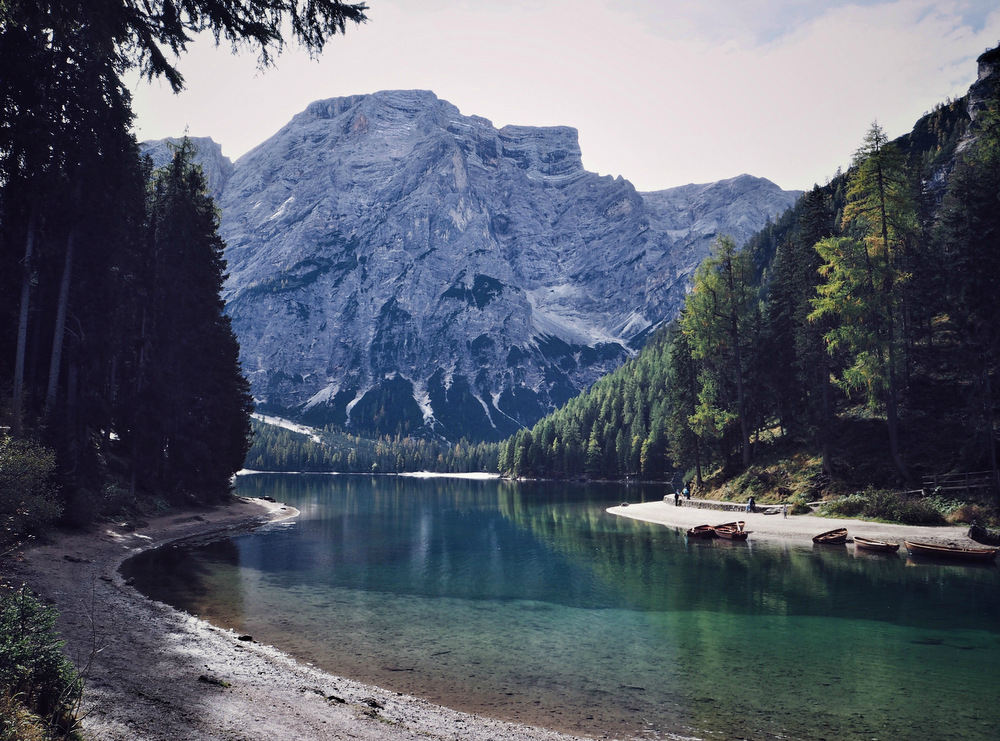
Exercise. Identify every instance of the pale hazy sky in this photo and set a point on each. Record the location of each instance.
(663, 92)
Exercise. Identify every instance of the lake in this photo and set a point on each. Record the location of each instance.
(527, 601)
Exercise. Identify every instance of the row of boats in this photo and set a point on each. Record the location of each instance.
(915, 548)
(737, 531)
(728, 530)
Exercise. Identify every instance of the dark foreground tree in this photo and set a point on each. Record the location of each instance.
(74, 318)
(968, 237)
(188, 418)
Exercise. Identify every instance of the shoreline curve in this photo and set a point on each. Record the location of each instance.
(154, 672)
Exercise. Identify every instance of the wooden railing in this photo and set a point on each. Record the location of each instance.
(961, 481)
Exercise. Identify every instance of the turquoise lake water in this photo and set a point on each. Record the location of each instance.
(528, 602)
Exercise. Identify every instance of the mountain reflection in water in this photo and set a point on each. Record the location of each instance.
(527, 601)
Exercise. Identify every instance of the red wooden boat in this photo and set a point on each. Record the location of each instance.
(950, 552)
(732, 531)
(832, 537)
(885, 546)
(701, 531)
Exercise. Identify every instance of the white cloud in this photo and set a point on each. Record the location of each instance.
(662, 93)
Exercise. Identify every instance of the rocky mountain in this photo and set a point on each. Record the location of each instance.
(214, 165)
(395, 265)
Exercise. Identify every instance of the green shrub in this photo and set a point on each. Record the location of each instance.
(115, 500)
(28, 493)
(888, 506)
(33, 668)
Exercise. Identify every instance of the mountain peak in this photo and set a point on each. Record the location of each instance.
(395, 265)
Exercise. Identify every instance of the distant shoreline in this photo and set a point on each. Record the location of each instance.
(472, 475)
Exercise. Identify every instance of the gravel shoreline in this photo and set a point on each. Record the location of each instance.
(799, 528)
(153, 672)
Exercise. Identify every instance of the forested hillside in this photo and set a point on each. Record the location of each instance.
(854, 338)
(275, 448)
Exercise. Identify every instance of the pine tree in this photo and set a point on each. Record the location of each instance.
(798, 364)
(968, 237)
(721, 319)
(865, 279)
(681, 392)
(189, 417)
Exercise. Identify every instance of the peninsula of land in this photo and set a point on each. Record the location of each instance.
(776, 526)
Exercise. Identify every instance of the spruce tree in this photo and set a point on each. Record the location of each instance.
(968, 237)
(721, 320)
(190, 415)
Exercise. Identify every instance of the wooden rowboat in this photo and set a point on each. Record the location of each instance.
(701, 531)
(832, 537)
(732, 531)
(868, 544)
(950, 552)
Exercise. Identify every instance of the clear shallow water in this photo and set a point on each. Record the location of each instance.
(529, 602)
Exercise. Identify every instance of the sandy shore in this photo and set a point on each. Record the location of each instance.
(793, 527)
(153, 672)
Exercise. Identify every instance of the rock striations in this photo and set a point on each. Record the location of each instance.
(395, 265)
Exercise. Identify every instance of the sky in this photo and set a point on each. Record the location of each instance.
(663, 92)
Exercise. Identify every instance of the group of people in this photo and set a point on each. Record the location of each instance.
(751, 502)
(677, 496)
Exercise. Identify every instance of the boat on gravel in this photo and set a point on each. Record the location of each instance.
(831, 537)
(950, 552)
(701, 531)
(732, 530)
(868, 544)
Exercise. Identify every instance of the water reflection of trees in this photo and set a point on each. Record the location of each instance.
(489, 540)
(658, 568)
(648, 566)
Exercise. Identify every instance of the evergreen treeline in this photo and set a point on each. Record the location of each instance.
(871, 304)
(116, 360)
(278, 449)
(617, 428)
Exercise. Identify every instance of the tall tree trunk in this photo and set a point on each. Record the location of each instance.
(826, 416)
(892, 418)
(742, 402)
(60, 325)
(991, 439)
(22, 325)
(697, 464)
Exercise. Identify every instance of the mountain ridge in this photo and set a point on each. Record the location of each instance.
(397, 266)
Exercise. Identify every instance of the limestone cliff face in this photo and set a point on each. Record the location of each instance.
(985, 86)
(396, 265)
